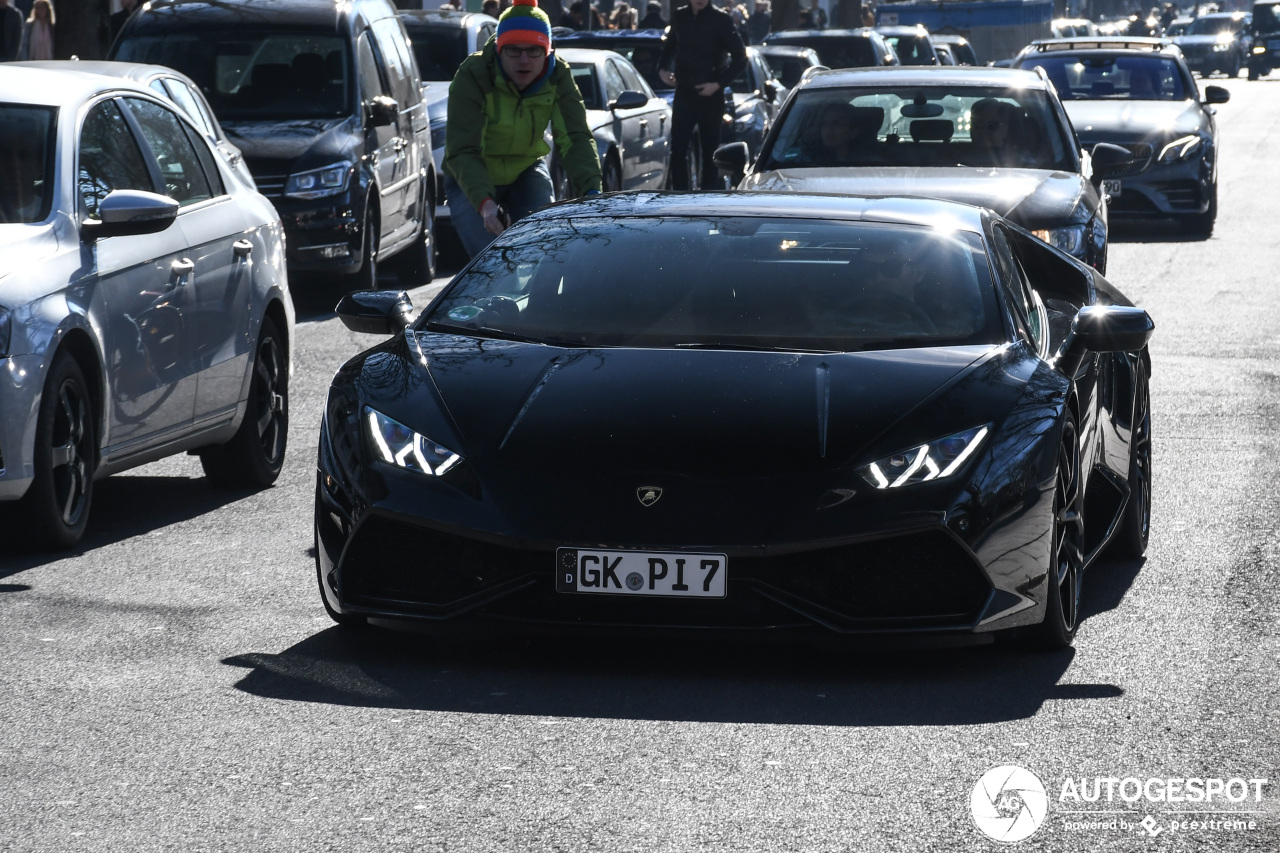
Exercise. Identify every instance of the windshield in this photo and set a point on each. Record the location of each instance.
(912, 50)
(1209, 26)
(724, 283)
(1138, 78)
(933, 126)
(251, 74)
(27, 146)
(833, 52)
(1266, 18)
(439, 52)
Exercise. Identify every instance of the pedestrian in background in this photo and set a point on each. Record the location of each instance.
(117, 19)
(37, 33)
(623, 18)
(653, 19)
(500, 102)
(693, 61)
(11, 26)
(760, 22)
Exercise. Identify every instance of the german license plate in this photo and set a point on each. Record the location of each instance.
(1111, 188)
(662, 574)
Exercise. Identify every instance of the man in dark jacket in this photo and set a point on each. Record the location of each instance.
(707, 53)
(11, 21)
(653, 19)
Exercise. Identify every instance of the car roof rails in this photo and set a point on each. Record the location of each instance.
(1101, 43)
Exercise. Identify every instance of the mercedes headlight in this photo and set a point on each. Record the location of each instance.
(319, 183)
(397, 445)
(1180, 149)
(935, 460)
(1069, 239)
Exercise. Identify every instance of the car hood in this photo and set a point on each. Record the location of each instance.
(1030, 197)
(316, 140)
(706, 414)
(435, 94)
(1109, 120)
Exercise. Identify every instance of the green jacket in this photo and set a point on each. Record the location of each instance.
(495, 132)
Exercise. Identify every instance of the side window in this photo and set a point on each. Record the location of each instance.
(390, 42)
(486, 33)
(613, 85)
(190, 104)
(180, 167)
(371, 83)
(633, 80)
(108, 158)
(1011, 283)
(208, 160)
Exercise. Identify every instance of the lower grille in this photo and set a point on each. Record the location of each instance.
(921, 580)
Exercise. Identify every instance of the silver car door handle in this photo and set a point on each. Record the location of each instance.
(242, 248)
(182, 267)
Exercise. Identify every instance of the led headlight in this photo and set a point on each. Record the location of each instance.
(933, 461)
(1221, 46)
(1069, 239)
(1179, 149)
(397, 445)
(1259, 49)
(319, 183)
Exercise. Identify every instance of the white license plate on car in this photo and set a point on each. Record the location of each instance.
(664, 574)
(1111, 188)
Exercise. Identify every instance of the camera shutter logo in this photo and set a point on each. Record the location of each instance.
(1009, 803)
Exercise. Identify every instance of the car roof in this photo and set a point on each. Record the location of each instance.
(923, 75)
(929, 212)
(1107, 44)
(904, 30)
(585, 54)
(53, 87)
(136, 71)
(616, 35)
(857, 32)
(442, 18)
(191, 14)
(797, 50)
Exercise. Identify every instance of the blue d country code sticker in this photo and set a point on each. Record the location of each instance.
(666, 574)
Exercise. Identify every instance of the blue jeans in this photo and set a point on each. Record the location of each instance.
(531, 191)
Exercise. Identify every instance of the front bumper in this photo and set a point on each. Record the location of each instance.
(1156, 190)
(21, 381)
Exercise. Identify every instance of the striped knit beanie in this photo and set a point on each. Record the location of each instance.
(524, 23)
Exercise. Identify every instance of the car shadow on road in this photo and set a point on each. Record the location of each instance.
(124, 507)
(697, 679)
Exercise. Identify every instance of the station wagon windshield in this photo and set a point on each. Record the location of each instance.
(753, 283)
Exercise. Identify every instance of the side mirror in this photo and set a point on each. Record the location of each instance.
(1216, 95)
(383, 111)
(629, 100)
(127, 212)
(1108, 159)
(1103, 328)
(732, 158)
(375, 312)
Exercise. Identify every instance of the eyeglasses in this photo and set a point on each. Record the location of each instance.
(515, 51)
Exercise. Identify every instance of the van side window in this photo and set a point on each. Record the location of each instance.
(109, 158)
(393, 45)
(371, 83)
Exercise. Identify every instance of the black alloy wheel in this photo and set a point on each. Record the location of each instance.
(255, 455)
(56, 506)
(1066, 557)
(366, 278)
(611, 179)
(1131, 539)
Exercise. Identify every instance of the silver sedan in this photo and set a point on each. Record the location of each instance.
(144, 304)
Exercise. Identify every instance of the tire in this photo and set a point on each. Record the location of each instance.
(366, 278)
(55, 509)
(417, 264)
(611, 180)
(255, 455)
(1066, 557)
(1130, 541)
(1201, 224)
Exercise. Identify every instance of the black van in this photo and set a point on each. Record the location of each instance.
(323, 99)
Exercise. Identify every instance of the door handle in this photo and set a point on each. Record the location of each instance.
(242, 248)
(182, 267)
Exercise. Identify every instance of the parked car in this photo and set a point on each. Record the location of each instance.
(750, 101)
(945, 57)
(325, 102)
(1264, 46)
(858, 48)
(917, 137)
(789, 62)
(1063, 28)
(1140, 94)
(630, 123)
(1178, 26)
(912, 45)
(842, 415)
(441, 39)
(1218, 42)
(174, 85)
(961, 47)
(144, 301)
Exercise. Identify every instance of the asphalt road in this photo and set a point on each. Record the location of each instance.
(174, 684)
